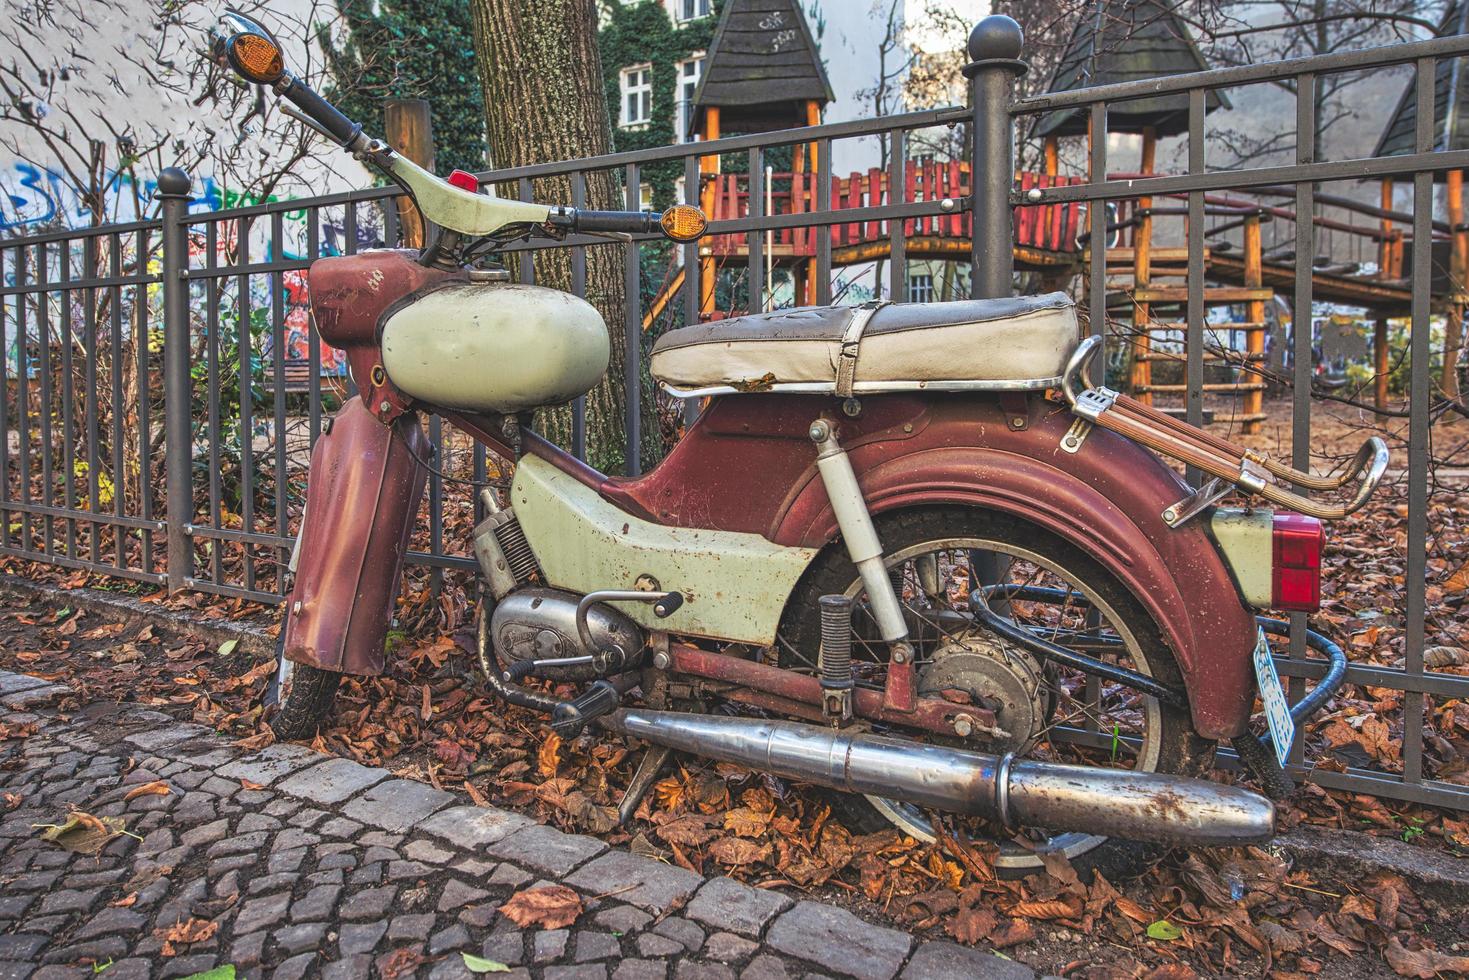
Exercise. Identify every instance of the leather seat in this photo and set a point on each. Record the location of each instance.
(996, 344)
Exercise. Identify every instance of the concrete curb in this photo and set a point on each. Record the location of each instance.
(251, 639)
(1352, 856)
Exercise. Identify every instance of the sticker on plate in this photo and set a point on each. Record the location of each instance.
(1277, 710)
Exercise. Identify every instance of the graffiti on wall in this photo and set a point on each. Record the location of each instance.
(32, 199)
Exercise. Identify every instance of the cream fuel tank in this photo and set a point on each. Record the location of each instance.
(494, 346)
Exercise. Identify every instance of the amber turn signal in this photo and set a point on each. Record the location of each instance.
(683, 223)
(256, 57)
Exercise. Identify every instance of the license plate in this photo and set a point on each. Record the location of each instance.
(1277, 709)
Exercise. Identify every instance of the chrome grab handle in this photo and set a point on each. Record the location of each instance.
(665, 605)
(1367, 469)
(1076, 367)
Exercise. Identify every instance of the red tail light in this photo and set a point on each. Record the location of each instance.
(465, 181)
(1296, 542)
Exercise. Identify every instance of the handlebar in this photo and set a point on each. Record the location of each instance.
(628, 222)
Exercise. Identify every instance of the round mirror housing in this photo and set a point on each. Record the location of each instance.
(683, 223)
(256, 57)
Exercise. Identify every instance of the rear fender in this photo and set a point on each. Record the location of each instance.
(365, 486)
(1107, 500)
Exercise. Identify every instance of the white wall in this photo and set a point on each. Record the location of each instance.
(113, 96)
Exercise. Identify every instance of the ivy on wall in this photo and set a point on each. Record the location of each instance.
(638, 32)
(412, 49)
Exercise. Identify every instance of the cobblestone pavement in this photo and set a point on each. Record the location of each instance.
(333, 869)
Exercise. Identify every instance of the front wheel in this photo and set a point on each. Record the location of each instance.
(299, 697)
(935, 556)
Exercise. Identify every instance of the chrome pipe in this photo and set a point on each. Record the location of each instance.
(1016, 792)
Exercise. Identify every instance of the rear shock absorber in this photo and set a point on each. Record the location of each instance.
(835, 658)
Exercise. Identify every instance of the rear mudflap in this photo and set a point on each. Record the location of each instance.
(366, 480)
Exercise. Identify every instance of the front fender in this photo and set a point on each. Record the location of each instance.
(364, 486)
(1106, 499)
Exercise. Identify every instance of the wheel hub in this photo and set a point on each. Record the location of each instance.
(987, 673)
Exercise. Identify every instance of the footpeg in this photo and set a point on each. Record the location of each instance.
(569, 718)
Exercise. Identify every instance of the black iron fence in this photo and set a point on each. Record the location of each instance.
(125, 342)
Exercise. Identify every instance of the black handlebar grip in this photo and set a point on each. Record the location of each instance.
(631, 222)
(326, 115)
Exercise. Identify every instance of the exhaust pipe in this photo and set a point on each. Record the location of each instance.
(1017, 792)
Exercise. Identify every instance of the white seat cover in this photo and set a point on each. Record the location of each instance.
(1021, 342)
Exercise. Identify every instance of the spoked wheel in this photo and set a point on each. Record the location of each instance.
(1042, 711)
(300, 696)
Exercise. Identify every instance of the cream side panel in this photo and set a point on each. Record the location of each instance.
(1246, 539)
(734, 585)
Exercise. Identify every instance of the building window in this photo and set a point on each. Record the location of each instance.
(690, 9)
(920, 288)
(637, 95)
(689, 73)
(645, 196)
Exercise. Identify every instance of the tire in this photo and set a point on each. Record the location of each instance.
(1169, 746)
(299, 696)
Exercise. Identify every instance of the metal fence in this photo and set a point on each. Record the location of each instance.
(127, 342)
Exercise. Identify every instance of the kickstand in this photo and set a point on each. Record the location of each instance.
(649, 769)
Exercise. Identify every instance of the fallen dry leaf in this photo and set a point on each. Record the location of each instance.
(549, 906)
(250, 784)
(1424, 963)
(158, 787)
(184, 933)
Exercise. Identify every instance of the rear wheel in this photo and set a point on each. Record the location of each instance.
(1042, 712)
(299, 697)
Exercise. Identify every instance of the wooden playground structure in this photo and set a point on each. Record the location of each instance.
(1248, 281)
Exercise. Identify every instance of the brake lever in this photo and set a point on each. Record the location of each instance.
(302, 118)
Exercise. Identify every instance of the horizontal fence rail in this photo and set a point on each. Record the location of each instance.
(124, 343)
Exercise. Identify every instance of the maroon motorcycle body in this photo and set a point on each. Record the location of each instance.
(747, 465)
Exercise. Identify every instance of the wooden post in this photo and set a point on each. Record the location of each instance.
(1458, 266)
(410, 131)
(1254, 402)
(708, 195)
(1142, 275)
(1379, 362)
(1386, 269)
(1053, 156)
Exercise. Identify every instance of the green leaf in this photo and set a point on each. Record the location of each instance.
(1163, 929)
(226, 972)
(478, 964)
(225, 649)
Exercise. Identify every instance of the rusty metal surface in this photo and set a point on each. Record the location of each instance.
(785, 687)
(364, 492)
(349, 296)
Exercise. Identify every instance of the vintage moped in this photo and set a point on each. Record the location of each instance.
(907, 552)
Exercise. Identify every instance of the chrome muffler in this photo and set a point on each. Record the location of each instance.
(1017, 792)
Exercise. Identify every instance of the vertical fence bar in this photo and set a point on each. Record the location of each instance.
(1419, 391)
(174, 189)
(213, 291)
(755, 268)
(632, 325)
(141, 314)
(1097, 241)
(68, 416)
(43, 376)
(579, 287)
(1194, 330)
(897, 227)
(313, 339)
(119, 495)
(278, 384)
(1301, 319)
(90, 266)
(823, 232)
(22, 397)
(994, 52)
(692, 272)
(245, 351)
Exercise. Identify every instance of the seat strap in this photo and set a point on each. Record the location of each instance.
(852, 343)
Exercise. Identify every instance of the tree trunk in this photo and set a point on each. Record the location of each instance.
(545, 101)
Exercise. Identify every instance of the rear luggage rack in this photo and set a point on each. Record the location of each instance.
(1229, 465)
